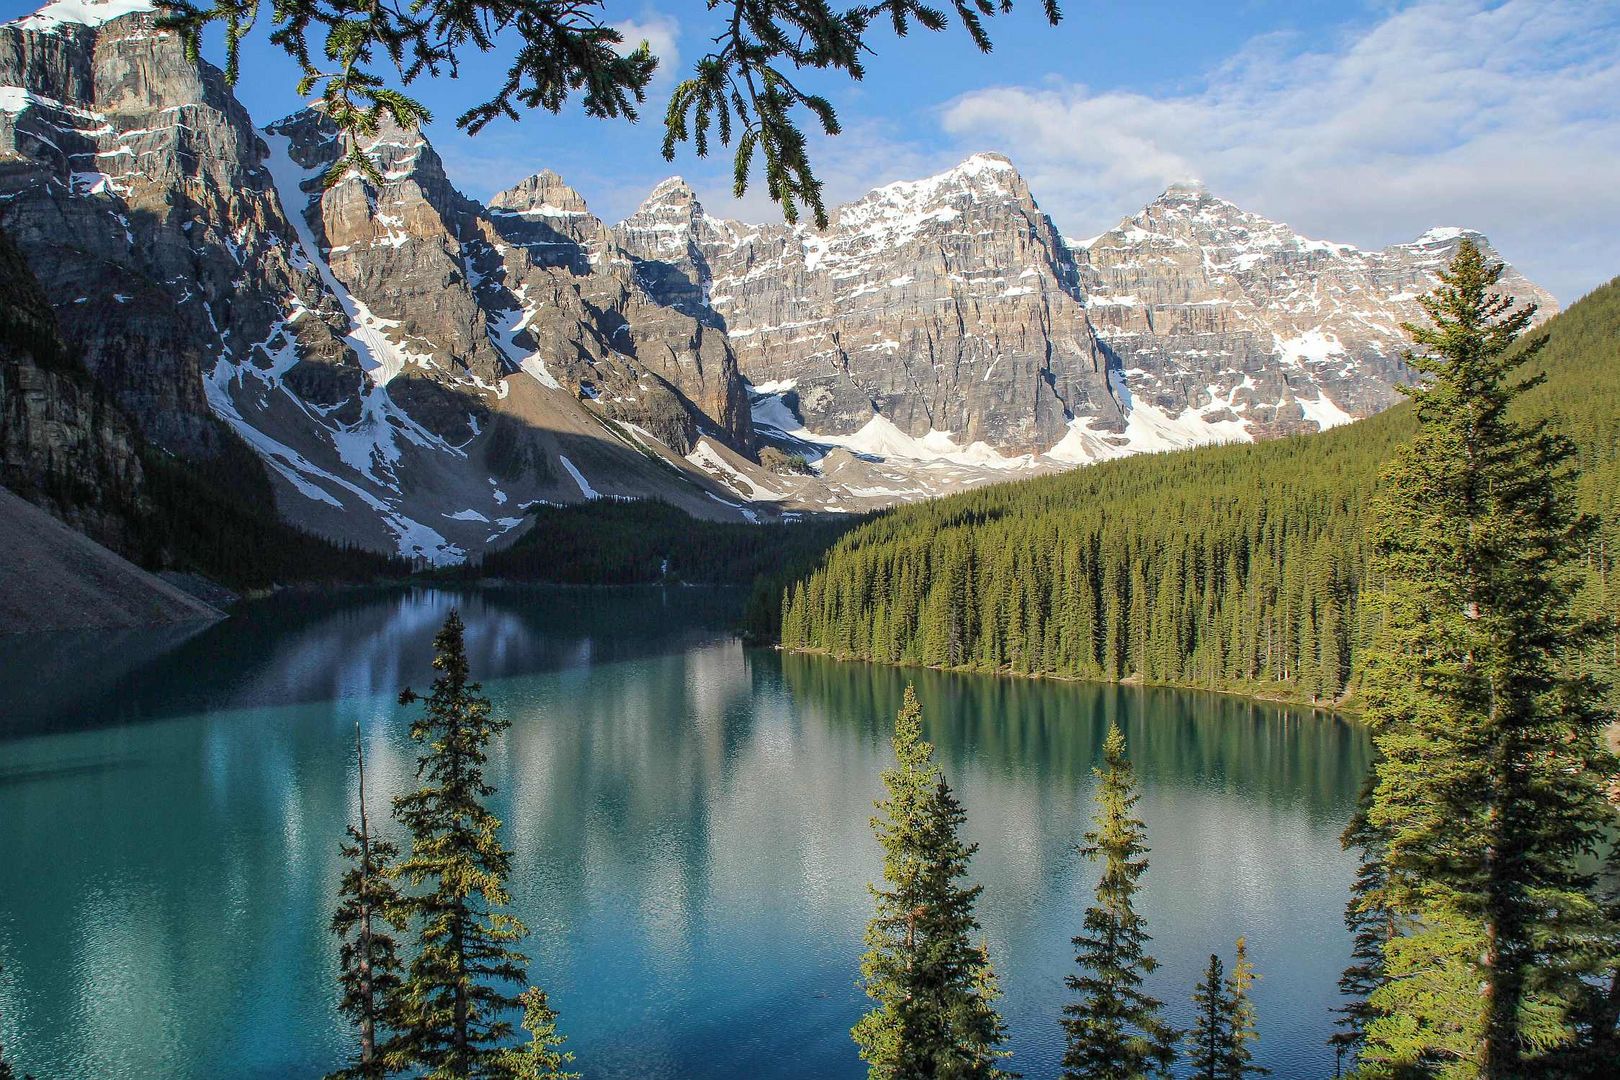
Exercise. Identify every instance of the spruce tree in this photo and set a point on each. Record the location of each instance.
(460, 984)
(1488, 785)
(1596, 1014)
(1224, 1024)
(1240, 1052)
(543, 1058)
(935, 989)
(1114, 1028)
(368, 905)
(1210, 1040)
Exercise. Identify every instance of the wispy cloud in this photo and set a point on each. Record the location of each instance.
(1498, 116)
(662, 33)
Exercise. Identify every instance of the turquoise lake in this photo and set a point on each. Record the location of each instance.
(689, 819)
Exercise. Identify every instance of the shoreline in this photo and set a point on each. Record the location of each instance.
(1346, 709)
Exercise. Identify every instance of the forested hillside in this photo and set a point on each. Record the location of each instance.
(1237, 567)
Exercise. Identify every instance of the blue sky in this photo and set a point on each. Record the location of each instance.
(1362, 122)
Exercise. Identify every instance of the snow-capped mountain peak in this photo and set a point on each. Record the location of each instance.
(544, 194)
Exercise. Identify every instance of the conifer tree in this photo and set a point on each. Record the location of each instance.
(1487, 793)
(1224, 1024)
(1114, 1028)
(935, 989)
(369, 904)
(543, 1058)
(1210, 1041)
(460, 984)
(1240, 1052)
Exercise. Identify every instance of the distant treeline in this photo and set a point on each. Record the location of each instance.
(219, 519)
(1234, 567)
(612, 542)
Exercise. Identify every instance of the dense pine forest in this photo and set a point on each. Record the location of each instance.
(196, 518)
(1234, 568)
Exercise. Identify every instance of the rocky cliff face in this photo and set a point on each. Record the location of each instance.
(130, 179)
(413, 367)
(63, 445)
(945, 319)
(1214, 313)
(612, 336)
(944, 305)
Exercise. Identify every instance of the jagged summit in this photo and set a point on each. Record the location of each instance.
(1445, 236)
(1191, 197)
(675, 189)
(982, 172)
(985, 160)
(544, 194)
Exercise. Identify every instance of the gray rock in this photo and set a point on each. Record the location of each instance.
(946, 304)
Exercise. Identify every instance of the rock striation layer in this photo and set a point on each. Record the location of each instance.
(950, 309)
(412, 367)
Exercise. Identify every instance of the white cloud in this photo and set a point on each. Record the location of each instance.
(663, 34)
(1498, 116)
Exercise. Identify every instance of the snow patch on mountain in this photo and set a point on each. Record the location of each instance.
(381, 358)
(92, 13)
(585, 489)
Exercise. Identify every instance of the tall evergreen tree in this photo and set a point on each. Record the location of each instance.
(1245, 1032)
(1224, 1022)
(460, 985)
(1210, 1041)
(1487, 792)
(369, 904)
(935, 989)
(1114, 1028)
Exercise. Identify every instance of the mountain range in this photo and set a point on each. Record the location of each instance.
(414, 369)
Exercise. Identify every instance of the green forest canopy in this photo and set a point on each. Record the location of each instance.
(1236, 567)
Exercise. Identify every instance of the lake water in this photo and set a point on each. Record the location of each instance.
(690, 822)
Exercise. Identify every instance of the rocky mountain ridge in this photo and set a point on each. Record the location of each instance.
(414, 368)
(948, 313)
